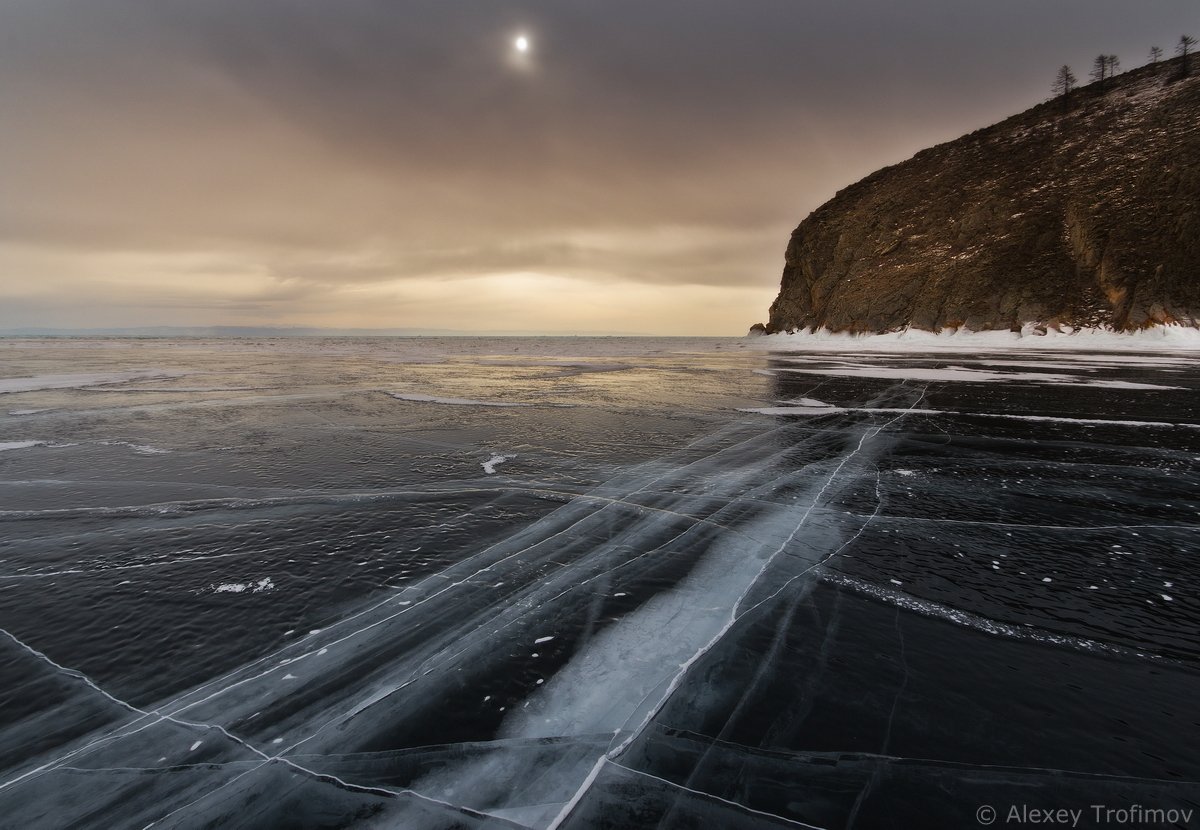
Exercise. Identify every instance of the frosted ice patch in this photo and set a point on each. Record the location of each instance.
(541, 640)
(905, 472)
(27, 411)
(264, 584)
(20, 445)
(145, 449)
(82, 379)
(195, 746)
(489, 466)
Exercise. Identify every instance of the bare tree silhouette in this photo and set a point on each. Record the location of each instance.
(1104, 67)
(1186, 42)
(1064, 82)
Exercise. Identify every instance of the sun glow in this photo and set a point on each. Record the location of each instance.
(521, 43)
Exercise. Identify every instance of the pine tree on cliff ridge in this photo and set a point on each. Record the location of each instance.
(1186, 42)
(1104, 67)
(1064, 82)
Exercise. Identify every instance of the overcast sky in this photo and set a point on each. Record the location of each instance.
(389, 163)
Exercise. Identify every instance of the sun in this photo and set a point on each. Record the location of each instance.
(521, 43)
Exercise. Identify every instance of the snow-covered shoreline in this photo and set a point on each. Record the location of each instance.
(1158, 338)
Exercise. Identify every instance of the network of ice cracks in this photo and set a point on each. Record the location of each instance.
(752, 521)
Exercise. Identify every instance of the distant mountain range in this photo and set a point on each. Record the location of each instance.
(1082, 211)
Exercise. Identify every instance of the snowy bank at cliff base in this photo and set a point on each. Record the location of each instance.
(1156, 338)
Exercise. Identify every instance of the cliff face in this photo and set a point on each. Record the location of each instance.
(1086, 214)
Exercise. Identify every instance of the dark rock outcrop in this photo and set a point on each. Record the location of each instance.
(1087, 215)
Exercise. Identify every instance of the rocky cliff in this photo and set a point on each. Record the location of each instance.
(1085, 213)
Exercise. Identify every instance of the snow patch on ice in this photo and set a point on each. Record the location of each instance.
(19, 412)
(489, 466)
(264, 584)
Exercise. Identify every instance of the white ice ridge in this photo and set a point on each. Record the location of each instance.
(929, 608)
(155, 717)
(727, 579)
(626, 671)
(1169, 338)
(965, 375)
(827, 409)
(20, 445)
(405, 396)
(82, 379)
(489, 466)
(926, 373)
(141, 449)
(571, 516)
(833, 410)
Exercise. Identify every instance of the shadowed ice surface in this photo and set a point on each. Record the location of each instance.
(592, 583)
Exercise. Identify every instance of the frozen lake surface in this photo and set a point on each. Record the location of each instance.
(592, 583)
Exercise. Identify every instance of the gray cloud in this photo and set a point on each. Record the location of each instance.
(285, 149)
